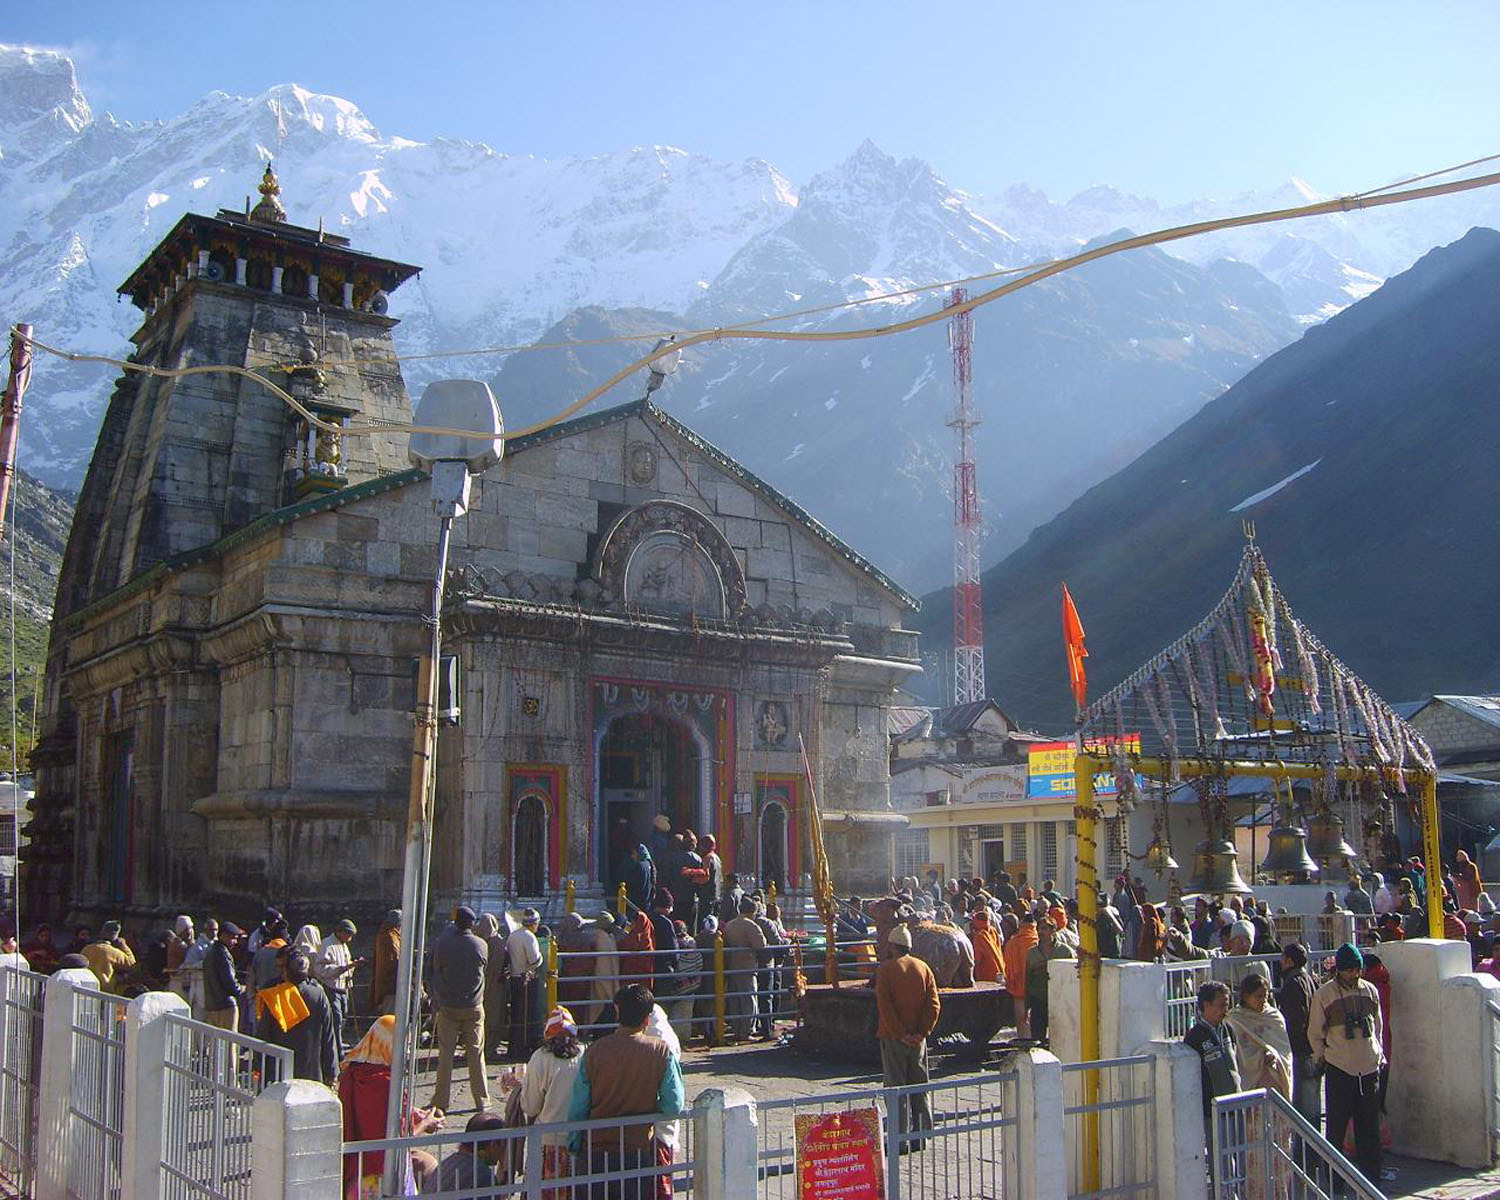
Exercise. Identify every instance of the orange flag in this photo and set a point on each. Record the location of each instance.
(1073, 638)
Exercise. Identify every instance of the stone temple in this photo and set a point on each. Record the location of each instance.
(637, 624)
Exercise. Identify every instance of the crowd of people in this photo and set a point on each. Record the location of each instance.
(633, 990)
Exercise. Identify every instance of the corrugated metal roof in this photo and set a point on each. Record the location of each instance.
(1481, 708)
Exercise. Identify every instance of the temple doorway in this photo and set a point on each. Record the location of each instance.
(773, 847)
(529, 844)
(649, 765)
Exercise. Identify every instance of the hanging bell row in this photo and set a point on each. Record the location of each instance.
(1288, 853)
(1159, 858)
(1325, 840)
(1216, 869)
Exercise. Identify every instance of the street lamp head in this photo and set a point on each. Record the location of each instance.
(662, 367)
(459, 404)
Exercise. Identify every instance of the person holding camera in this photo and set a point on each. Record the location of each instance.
(1344, 1032)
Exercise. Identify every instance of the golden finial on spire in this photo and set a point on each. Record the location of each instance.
(269, 209)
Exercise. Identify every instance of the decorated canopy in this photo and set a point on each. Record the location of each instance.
(1250, 682)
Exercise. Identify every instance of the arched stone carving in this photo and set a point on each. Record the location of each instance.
(666, 557)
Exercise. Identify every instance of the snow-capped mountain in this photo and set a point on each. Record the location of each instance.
(510, 244)
(1074, 376)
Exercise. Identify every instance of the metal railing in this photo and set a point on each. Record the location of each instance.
(962, 1150)
(1321, 933)
(21, 996)
(750, 999)
(1114, 1126)
(633, 1157)
(96, 1097)
(1183, 981)
(1264, 1148)
(212, 1077)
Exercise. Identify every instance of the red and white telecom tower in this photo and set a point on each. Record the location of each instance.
(968, 604)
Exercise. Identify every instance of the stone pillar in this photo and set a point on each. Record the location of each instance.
(726, 1153)
(1181, 1153)
(146, 1092)
(312, 287)
(1036, 1163)
(296, 1140)
(1132, 1007)
(276, 280)
(1439, 1072)
(240, 267)
(348, 295)
(54, 1125)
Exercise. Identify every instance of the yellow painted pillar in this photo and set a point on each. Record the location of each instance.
(571, 893)
(719, 1023)
(552, 973)
(621, 902)
(1088, 958)
(1432, 855)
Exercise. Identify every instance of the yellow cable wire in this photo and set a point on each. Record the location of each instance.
(1375, 199)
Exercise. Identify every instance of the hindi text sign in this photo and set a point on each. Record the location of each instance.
(840, 1156)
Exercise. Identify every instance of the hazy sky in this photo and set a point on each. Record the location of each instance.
(1174, 100)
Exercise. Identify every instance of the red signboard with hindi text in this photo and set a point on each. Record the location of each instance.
(840, 1156)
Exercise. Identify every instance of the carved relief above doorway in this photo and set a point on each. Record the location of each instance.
(666, 557)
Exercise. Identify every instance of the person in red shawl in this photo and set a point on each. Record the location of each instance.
(1153, 934)
(1376, 973)
(640, 966)
(364, 1089)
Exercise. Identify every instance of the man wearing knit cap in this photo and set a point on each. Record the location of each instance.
(906, 998)
(1344, 1032)
(458, 962)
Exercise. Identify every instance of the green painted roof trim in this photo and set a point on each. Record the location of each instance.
(386, 483)
(246, 533)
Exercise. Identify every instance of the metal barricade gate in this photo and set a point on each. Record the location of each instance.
(96, 1097)
(961, 1152)
(20, 1076)
(212, 1078)
(1114, 1128)
(1263, 1148)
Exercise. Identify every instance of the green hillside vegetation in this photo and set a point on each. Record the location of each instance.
(39, 520)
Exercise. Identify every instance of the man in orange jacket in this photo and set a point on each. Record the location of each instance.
(988, 964)
(1016, 950)
(906, 997)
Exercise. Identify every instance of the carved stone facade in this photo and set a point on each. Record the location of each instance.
(641, 627)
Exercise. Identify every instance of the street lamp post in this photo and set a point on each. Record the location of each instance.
(453, 460)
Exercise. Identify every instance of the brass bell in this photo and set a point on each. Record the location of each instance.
(1159, 858)
(1325, 840)
(1288, 853)
(1216, 869)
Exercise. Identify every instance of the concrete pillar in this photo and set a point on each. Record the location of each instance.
(54, 1126)
(240, 267)
(1037, 1164)
(1181, 1155)
(276, 280)
(296, 1140)
(1439, 1073)
(312, 287)
(146, 1092)
(1132, 1007)
(725, 1148)
(348, 295)
(202, 262)
(1469, 1034)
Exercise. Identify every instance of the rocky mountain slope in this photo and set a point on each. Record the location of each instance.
(1364, 455)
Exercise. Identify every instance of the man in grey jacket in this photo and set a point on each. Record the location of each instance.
(458, 963)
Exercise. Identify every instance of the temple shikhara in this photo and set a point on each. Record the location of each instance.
(638, 626)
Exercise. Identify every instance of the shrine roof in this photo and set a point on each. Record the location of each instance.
(645, 409)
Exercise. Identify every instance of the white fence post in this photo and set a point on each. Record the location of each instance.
(1037, 1166)
(726, 1153)
(296, 1143)
(54, 1126)
(1181, 1154)
(146, 1093)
